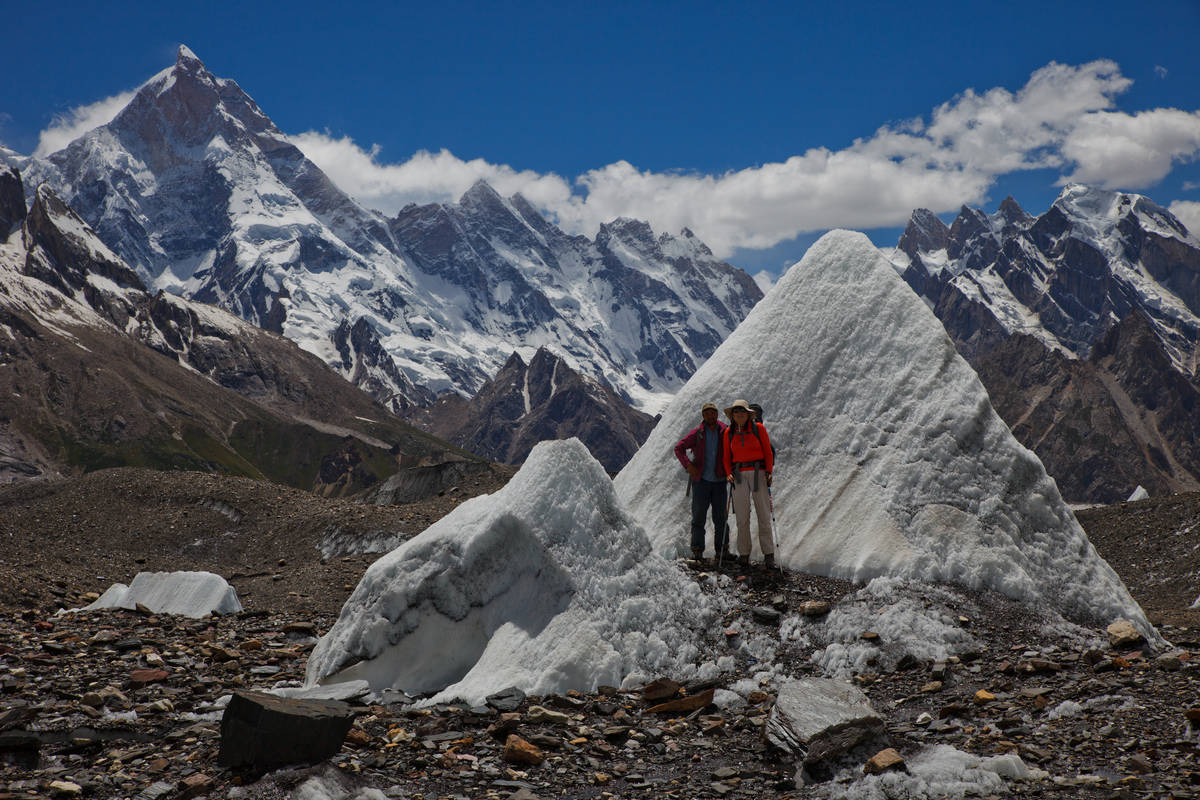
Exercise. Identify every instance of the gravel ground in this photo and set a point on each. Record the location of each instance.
(1099, 720)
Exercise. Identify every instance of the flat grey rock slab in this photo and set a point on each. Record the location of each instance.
(816, 719)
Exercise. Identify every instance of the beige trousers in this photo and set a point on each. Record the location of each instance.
(743, 496)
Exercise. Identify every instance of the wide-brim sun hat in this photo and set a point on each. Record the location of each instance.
(738, 405)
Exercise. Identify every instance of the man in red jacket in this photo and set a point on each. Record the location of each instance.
(706, 470)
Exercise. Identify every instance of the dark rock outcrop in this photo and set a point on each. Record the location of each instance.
(546, 399)
(63, 252)
(12, 201)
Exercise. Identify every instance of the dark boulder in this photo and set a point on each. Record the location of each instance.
(263, 731)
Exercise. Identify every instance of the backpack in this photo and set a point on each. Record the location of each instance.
(758, 413)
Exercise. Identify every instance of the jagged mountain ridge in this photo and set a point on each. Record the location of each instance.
(1066, 277)
(528, 403)
(1083, 324)
(195, 187)
(98, 372)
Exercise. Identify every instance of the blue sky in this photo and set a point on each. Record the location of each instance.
(757, 126)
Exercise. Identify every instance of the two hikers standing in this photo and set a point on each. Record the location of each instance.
(742, 462)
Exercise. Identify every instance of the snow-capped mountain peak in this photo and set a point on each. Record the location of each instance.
(1065, 277)
(194, 187)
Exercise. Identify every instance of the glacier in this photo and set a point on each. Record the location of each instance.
(891, 460)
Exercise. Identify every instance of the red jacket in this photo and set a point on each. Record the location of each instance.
(744, 447)
(694, 441)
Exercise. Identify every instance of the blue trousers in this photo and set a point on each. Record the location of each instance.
(706, 494)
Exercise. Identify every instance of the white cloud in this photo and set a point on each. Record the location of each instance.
(1160, 70)
(1124, 151)
(1063, 118)
(1188, 212)
(68, 127)
(766, 279)
(425, 178)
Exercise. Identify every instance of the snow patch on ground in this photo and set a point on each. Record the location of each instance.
(938, 771)
(189, 594)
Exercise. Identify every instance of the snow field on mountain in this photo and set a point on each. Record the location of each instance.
(203, 195)
(891, 460)
(547, 585)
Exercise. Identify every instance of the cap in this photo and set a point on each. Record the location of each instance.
(707, 406)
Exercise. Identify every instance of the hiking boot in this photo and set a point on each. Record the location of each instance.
(744, 561)
(698, 554)
(769, 561)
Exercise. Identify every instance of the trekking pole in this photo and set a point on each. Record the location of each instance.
(774, 529)
(720, 557)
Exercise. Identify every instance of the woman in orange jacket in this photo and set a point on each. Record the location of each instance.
(748, 465)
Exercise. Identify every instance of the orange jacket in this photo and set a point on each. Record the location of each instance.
(743, 447)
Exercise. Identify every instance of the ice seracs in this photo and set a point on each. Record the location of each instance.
(547, 585)
(891, 460)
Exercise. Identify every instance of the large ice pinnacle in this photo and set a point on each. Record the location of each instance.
(891, 459)
(547, 585)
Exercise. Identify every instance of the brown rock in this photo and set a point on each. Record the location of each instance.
(194, 786)
(357, 737)
(519, 751)
(683, 704)
(507, 723)
(65, 789)
(1139, 764)
(815, 608)
(658, 690)
(883, 761)
(983, 697)
(145, 677)
(1122, 634)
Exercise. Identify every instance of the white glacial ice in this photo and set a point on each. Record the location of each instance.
(188, 594)
(547, 585)
(891, 460)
